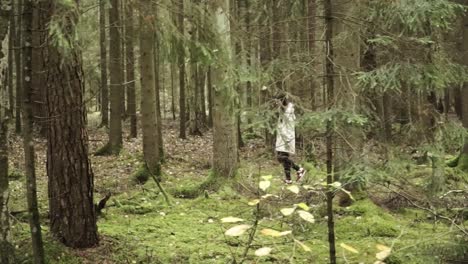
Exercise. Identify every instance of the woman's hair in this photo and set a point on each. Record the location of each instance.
(283, 99)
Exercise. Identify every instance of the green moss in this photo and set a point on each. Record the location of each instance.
(463, 162)
(108, 150)
(15, 175)
(141, 176)
(210, 184)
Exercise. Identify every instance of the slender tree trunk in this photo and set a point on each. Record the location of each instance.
(265, 60)
(11, 38)
(202, 97)
(463, 159)
(6, 247)
(103, 64)
(116, 81)
(38, 82)
(225, 153)
(148, 97)
(210, 96)
(173, 110)
(311, 13)
(31, 189)
(329, 84)
(458, 101)
(123, 61)
(130, 68)
(277, 26)
(19, 68)
(182, 103)
(157, 88)
(249, 55)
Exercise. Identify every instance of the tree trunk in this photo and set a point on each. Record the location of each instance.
(157, 88)
(209, 85)
(182, 111)
(463, 160)
(11, 37)
(249, 55)
(70, 186)
(225, 153)
(31, 191)
(19, 68)
(173, 110)
(329, 84)
(103, 64)
(148, 97)
(130, 68)
(6, 247)
(123, 61)
(38, 81)
(311, 13)
(116, 81)
(265, 60)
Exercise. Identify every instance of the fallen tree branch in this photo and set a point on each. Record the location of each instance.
(433, 212)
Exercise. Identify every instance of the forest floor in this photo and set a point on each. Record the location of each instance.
(137, 226)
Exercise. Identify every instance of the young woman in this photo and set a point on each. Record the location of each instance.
(286, 140)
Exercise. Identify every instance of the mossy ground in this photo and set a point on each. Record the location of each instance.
(137, 226)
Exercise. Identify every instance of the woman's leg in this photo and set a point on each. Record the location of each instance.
(283, 158)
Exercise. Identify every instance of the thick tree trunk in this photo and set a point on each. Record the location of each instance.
(148, 97)
(103, 64)
(19, 68)
(70, 186)
(130, 68)
(116, 80)
(182, 110)
(31, 191)
(225, 153)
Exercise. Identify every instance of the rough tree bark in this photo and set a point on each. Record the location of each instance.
(70, 186)
(225, 153)
(148, 97)
(114, 145)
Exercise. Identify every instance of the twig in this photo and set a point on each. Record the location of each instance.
(166, 197)
(251, 235)
(434, 213)
(452, 191)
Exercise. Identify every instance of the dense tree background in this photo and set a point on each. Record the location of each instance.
(135, 127)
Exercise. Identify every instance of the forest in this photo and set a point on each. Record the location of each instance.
(234, 131)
